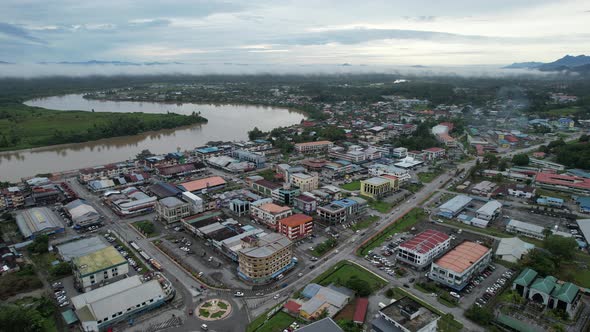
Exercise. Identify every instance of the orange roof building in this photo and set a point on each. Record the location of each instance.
(269, 213)
(210, 183)
(296, 226)
(455, 268)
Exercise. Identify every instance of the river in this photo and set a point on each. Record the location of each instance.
(226, 123)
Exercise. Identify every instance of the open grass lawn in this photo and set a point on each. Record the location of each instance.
(400, 225)
(427, 177)
(342, 271)
(574, 273)
(563, 111)
(380, 206)
(354, 185)
(146, 227)
(490, 230)
(24, 127)
(551, 193)
(368, 221)
(278, 322)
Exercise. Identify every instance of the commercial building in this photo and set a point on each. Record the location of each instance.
(377, 187)
(525, 229)
(99, 267)
(402, 174)
(180, 170)
(171, 210)
(409, 162)
(296, 226)
(421, 250)
(130, 201)
(230, 164)
(454, 206)
(255, 158)
(512, 249)
(456, 267)
(550, 201)
(14, 197)
(434, 153)
(400, 153)
(319, 299)
(38, 221)
(545, 164)
(268, 213)
(489, 210)
(521, 190)
(195, 202)
(265, 187)
(313, 147)
(82, 213)
(117, 302)
(561, 182)
(305, 204)
(343, 210)
(583, 204)
(548, 291)
(263, 259)
(164, 189)
(405, 315)
(205, 184)
(355, 154)
(304, 182)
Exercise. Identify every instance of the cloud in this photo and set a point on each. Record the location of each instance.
(19, 33)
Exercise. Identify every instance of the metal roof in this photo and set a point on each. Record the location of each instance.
(81, 247)
(98, 260)
(37, 220)
(456, 203)
(425, 241)
(489, 208)
(525, 277)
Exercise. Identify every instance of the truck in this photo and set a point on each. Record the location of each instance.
(156, 264)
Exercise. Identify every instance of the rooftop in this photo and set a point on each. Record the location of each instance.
(35, 220)
(81, 247)
(490, 208)
(98, 260)
(171, 202)
(462, 256)
(274, 208)
(376, 181)
(425, 241)
(456, 203)
(202, 183)
(296, 220)
(322, 325)
(401, 310)
(267, 246)
(563, 180)
(313, 143)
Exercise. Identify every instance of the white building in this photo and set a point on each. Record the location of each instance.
(196, 202)
(423, 248)
(525, 228)
(171, 210)
(400, 153)
(116, 302)
(99, 267)
(304, 182)
(269, 213)
(512, 249)
(489, 211)
(453, 206)
(456, 267)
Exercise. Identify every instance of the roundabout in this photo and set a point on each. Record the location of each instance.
(213, 310)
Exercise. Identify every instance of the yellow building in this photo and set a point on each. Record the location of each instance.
(304, 182)
(380, 186)
(264, 259)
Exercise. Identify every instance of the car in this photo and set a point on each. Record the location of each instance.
(455, 295)
(59, 293)
(406, 285)
(300, 274)
(238, 294)
(190, 312)
(63, 304)
(311, 267)
(277, 296)
(259, 294)
(61, 298)
(204, 327)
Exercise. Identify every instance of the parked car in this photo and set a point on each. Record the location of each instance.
(238, 294)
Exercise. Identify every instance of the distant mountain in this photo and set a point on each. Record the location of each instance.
(114, 63)
(524, 65)
(6, 63)
(579, 63)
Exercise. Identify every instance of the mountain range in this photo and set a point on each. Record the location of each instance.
(579, 63)
(114, 63)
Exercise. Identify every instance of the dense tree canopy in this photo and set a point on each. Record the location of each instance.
(520, 159)
(563, 248)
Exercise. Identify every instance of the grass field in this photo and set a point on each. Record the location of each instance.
(563, 111)
(550, 193)
(489, 231)
(427, 177)
(23, 127)
(342, 271)
(278, 322)
(368, 221)
(406, 222)
(354, 185)
(380, 206)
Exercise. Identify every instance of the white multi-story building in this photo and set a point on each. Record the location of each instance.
(456, 267)
(99, 267)
(423, 248)
(269, 213)
(171, 210)
(305, 182)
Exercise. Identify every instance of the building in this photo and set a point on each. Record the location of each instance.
(323, 325)
(434, 153)
(409, 162)
(14, 198)
(489, 210)
(305, 204)
(304, 182)
(360, 310)
(583, 204)
(117, 302)
(454, 206)
(402, 174)
(130, 201)
(251, 157)
(205, 184)
(550, 201)
(483, 188)
(265, 187)
(268, 213)
(171, 210)
(421, 250)
(38, 221)
(313, 147)
(261, 260)
(296, 226)
(525, 229)
(99, 267)
(82, 213)
(319, 299)
(400, 153)
(180, 170)
(195, 202)
(521, 190)
(406, 315)
(545, 164)
(548, 291)
(455, 268)
(377, 187)
(512, 249)
(70, 250)
(561, 182)
(343, 210)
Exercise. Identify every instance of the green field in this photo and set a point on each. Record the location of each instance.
(368, 221)
(342, 271)
(406, 222)
(278, 322)
(380, 206)
(427, 177)
(146, 227)
(23, 127)
(354, 185)
(489, 231)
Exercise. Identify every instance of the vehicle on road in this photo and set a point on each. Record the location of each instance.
(204, 327)
(238, 294)
(276, 297)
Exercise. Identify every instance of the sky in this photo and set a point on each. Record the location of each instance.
(298, 32)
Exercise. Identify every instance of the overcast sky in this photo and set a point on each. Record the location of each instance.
(389, 32)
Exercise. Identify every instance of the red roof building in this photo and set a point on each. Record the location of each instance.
(563, 182)
(296, 226)
(360, 310)
(423, 248)
(292, 307)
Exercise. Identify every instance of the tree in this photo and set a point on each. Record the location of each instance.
(144, 154)
(540, 261)
(62, 269)
(20, 318)
(520, 159)
(480, 315)
(360, 286)
(256, 134)
(40, 245)
(147, 227)
(563, 248)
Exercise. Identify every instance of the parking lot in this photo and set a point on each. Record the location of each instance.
(485, 285)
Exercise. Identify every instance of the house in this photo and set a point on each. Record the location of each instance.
(520, 190)
(548, 291)
(512, 249)
(323, 325)
(320, 298)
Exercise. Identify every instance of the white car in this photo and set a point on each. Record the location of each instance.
(276, 297)
(455, 295)
(238, 294)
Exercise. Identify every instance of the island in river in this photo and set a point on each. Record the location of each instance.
(23, 127)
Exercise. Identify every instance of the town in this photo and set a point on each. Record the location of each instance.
(412, 213)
